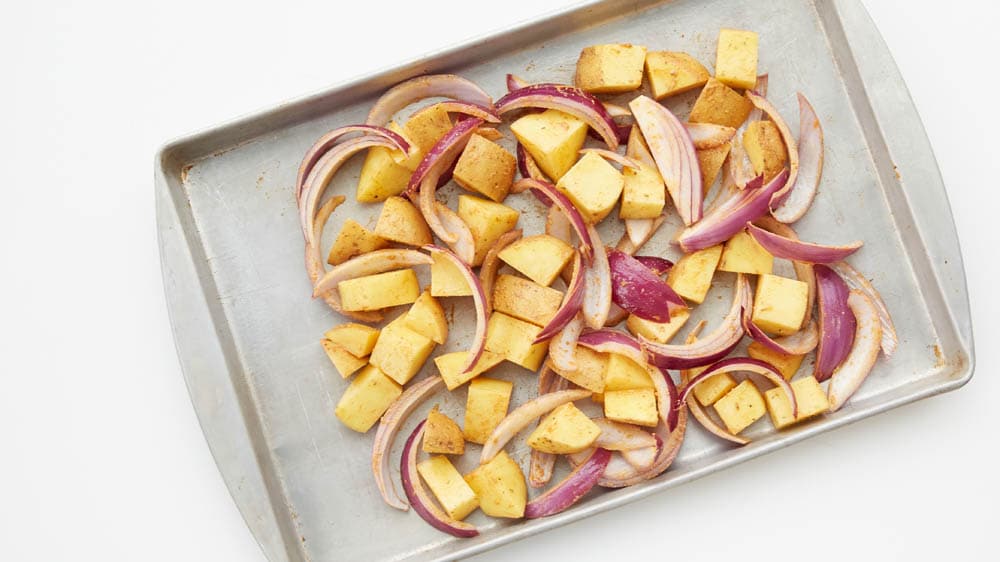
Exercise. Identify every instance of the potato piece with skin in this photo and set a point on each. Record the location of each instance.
(500, 487)
(736, 58)
(552, 138)
(765, 148)
(740, 407)
(624, 374)
(451, 365)
(368, 397)
(446, 483)
(526, 300)
(540, 257)
(610, 69)
(691, 276)
(400, 352)
(593, 185)
(382, 290)
(711, 389)
(401, 222)
(487, 221)
(565, 430)
(643, 193)
(485, 167)
(446, 279)
(426, 317)
(345, 363)
(786, 364)
(357, 339)
(442, 435)
(514, 340)
(485, 407)
(381, 176)
(710, 161)
(354, 240)
(591, 367)
(656, 331)
(779, 305)
(672, 73)
(721, 105)
(809, 397)
(742, 254)
(636, 406)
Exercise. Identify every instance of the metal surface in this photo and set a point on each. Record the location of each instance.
(247, 332)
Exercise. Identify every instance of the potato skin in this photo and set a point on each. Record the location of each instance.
(610, 69)
(721, 105)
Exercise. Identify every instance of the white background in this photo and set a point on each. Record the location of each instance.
(101, 457)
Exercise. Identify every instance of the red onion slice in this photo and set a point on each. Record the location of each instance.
(541, 465)
(571, 489)
(701, 414)
(638, 290)
(623, 161)
(639, 230)
(372, 263)
(640, 459)
(390, 425)
(524, 415)
(464, 109)
(738, 162)
(733, 364)
(617, 436)
(799, 343)
(464, 245)
(793, 249)
(492, 262)
(709, 135)
(659, 266)
(438, 159)
(424, 87)
(790, 145)
(803, 270)
(567, 208)
(557, 225)
(418, 496)
(810, 148)
(571, 303)
(855, 280)
(327, 141)
(637, 149)
(859, 362)
(629, 246)
(597, 284)
(515, 82)
(612, 341)
(567, 99)
(836, 322)
(562, 347)
(478, 299)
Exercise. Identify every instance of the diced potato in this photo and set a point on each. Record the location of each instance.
(401, 222)
(487, 220)
(565, 430)
(485, 407)
(409, 160)
(451, 365)
(786, 364)
(540, 257)
(382, 290)
(742, 254)
(354, 240)
(636, 406)
(526, 300)
(710, 161)
(740, 407)
(590, 369)
(552, 138)
(691, 276)
(610, 69)
(673, 73)
(486, 167)
(426, 317)
(424, 129)
(401, 352)
(452, 492)
(500, 487)
(514, 340)
(446, 279)
(593, 185)
(721, 105)
(765, 148)
(656, 331)
(711, 389)
(345, 363)
(625, 374)
(368, 397)
(442, 435)
(809, 397)
(357, 339)
(780, 304)
(736, 58)
(597, 398)
(643, 195)
(381, 176)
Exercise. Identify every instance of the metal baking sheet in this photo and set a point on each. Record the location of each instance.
(247, 332)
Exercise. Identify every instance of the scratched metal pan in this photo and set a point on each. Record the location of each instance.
(247, 332)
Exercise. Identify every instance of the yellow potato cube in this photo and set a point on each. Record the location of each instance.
(637, 406)
(553, 139)
(451, 365)
(375, 292)
(426, 317)
(526, 300)
(736, 58)
(786, 364)
(565, 430)
(740, 407)
(401, 222)
(357, 339)
(780, 304)
(691, 276)
(625, 374)
(540, 257)
(487, 220)
(381, 176)
(500, 487)
(354, 240)
(593, 185)
(424, 129)
(514, 340)
(485, 407)
(710, 161)
(742, 254)
(809, 397)
(590, 369)
(721, 105)
(442, 435)
(345, 363)
(368, 397)
(446, 279)
(673, 73)
(765, 148)
(486, 167)
(656, 331)
(643, 195)
(452, 492)
(610, 69)
(711, 389)
(400, 352)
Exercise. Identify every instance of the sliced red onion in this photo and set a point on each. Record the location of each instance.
(659, 266)
(669, 390)
(859, 362)
(629, 246)
(540, 468)
(390, 425)
(424, 87)
(738, 162)
(524, 415)
(637, 148)
(515, 82)
(571, 489)
(438, 159)
(492, 262)
(803, 270)
(810, 148)
(641, 459)
(836, 322)
(793, 249)
(571, 303)
(790, 145)
(617, 110)
(489, 133)
(562, 347)
(734, 364)
(612, 341)
(465, 109)
(799, 343)
(418, 496)
(567, 99)
(372, 263)
(624, 161)
(701, 414)
(638, 290)
(709, 135)
(567, 208)
(597, 284)
(761, 89)
(528, 168)
(478, 299)
(558, 226)
(639, 230)
(617, 436)
(464, 245)
(855, 280)
(327, 141)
